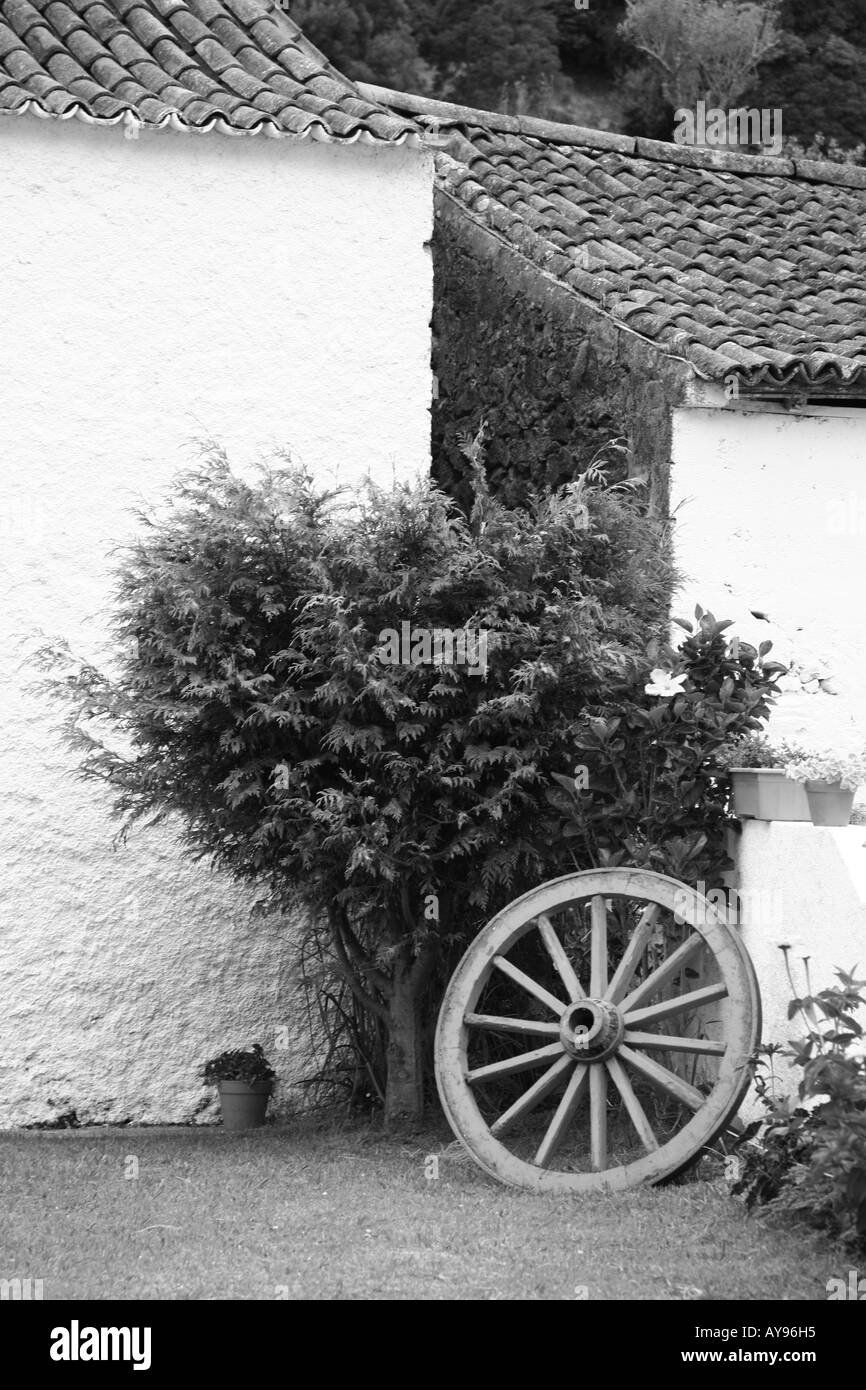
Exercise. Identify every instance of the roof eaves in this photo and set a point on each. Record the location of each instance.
(73, 94)
(173, 120)
(815, 376)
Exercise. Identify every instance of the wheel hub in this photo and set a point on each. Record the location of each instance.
(591, 1029)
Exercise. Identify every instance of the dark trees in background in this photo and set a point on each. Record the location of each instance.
(589, 40)
(819, 78)
(512, 53)
(482, 52)
(368, 40)
(477, 54)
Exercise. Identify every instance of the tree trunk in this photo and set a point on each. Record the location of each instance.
(404, 1090)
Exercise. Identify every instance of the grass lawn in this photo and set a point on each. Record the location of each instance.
(299, 1212)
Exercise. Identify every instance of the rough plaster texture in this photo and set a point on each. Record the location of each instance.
(804, 886)
(771, 516)
(259, 292)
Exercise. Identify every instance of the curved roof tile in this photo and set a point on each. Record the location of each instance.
(744, 265)
(238, 66)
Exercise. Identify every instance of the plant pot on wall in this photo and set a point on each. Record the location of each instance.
(244, 1106)
(765, 793)
(829, 803)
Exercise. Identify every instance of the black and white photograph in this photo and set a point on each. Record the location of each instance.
(433, 670)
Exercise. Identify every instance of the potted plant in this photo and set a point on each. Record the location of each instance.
(245, 1081)
(760, 788)
(831, 781)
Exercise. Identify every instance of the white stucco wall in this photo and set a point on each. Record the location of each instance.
(770, 510)
(803, 886)
(258, 292)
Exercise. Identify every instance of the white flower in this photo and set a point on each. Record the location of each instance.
(661, 682)
(826, 765)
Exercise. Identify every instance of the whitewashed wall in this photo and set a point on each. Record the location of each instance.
(258, 292)
(803, 886)
(771, 515)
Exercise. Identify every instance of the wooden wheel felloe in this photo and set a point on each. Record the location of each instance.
(596, 1034)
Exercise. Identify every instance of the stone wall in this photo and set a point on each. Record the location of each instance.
(553, 380)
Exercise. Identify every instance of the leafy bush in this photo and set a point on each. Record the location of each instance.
(399, 803)
(809, 1164)
(251, 1067)
(755, 750)
(650, 794)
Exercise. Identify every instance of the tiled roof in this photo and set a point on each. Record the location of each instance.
(237, 66)
(739, 264)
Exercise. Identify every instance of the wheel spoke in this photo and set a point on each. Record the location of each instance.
(563, 1117)
(692, 1000)
(663, 973)
(598, 948)
(635, 1110)
(661, 1041)
(641, 1099)
(531, 986)
(564, 968)
(495, 1024)
(524, 1061)
(633, 952)
(598, 1117)
(663, 1079)
(536, 1093)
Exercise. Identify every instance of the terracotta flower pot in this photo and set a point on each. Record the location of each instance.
(243, 1106)
(765, 793)
(829, 803)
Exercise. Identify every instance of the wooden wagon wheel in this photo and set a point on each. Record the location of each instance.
(548, 1036)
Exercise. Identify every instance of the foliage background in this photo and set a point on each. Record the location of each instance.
(547, 57)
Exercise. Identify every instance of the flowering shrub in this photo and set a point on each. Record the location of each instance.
(398, 803)
(649, 793)
(663, 683)
(825, 765)
(809, 1165)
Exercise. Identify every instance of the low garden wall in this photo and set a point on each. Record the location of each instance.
(803, 886)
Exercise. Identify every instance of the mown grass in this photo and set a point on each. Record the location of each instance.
(345, 1213)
